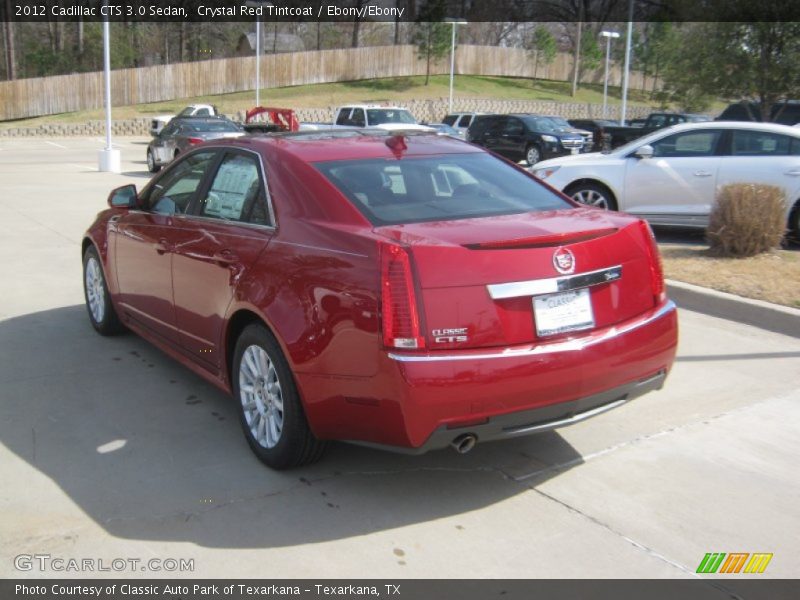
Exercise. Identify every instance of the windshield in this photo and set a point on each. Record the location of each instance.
(560, 124)
(541, 124)
(379, 116)
(438, 188)
(213, 126)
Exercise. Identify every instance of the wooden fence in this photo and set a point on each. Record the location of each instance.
(66, 93)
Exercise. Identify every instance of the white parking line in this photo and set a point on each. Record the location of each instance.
(56, 145)
(83, 167)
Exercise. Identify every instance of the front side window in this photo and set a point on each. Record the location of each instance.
(437, 188)
(465, 121)
(760, 143)
(450, 119)
(688, 144)
(236, 193)
(172, 193)
(357, 118)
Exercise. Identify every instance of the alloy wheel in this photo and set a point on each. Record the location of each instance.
(261, 396)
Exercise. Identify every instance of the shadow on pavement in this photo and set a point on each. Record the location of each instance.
(151, 452)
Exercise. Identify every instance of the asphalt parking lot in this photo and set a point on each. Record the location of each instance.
(108, 449)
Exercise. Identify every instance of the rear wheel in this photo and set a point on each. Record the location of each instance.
(592, 194)
(98, 301)
(794, 223)
(533, 155)
(270, 410)
(152, 166)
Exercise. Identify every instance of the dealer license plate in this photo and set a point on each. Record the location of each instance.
(574, 150)
(563, 312)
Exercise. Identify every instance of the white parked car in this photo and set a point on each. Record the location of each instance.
(193, 110)
(671, 177)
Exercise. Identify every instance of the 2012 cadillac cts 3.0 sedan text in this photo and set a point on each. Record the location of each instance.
(406, 291)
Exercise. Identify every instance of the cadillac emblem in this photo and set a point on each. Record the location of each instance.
(564, 261)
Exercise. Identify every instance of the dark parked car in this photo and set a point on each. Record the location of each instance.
(618, 134)
(785, 113)
(181, 133)
(406, 292)
(523, 137)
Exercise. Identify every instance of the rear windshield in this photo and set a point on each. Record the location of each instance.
(379, 116)
(438, 188)
(213, 126)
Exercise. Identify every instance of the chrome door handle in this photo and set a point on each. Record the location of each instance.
(793, 173)
(702, 174)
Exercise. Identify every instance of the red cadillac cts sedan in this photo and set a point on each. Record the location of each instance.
(404, 291)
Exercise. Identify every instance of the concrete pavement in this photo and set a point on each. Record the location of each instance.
(108, 449)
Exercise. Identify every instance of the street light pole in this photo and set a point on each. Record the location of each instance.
(627, 64)
(258, 59)
(453, 22)
(608, 35)
(108, 159)
(259, 4)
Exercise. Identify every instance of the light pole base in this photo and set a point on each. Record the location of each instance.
(109, 161)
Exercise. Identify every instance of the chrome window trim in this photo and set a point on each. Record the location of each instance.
(537, 287)
(575, 345)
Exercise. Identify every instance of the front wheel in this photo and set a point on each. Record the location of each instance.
(270, 410)
(98, 301)
(533, 155)
(593, 195)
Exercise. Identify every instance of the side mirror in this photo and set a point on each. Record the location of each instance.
(123, 197)
(645, 151)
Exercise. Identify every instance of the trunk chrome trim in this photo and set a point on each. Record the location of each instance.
(575, 345)
(536, 287)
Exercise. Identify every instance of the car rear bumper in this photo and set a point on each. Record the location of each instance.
(423, 401)
(537, 420)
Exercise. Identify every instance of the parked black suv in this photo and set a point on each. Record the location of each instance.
(788, 112)
(523, 137)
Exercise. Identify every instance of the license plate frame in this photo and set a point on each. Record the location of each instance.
(563, 312)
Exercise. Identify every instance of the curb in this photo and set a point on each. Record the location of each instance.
(765, 315)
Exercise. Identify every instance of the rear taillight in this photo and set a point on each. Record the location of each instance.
(194, 141)
(398, 303)
(656, 270)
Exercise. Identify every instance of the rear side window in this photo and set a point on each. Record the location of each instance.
(450, 119)
(760, 143)
(235, 193)
(343, 117)
(438, 188)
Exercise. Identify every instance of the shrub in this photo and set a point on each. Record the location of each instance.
(747, 219)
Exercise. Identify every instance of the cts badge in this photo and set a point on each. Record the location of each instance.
(450, 336)
(564, 261)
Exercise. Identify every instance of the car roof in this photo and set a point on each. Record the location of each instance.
(773, 127)
(353, 144)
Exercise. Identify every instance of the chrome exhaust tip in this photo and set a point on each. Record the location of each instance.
(464, 443)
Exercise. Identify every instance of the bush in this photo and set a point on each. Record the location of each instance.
(747, 219)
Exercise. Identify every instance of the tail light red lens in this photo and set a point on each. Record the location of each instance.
(400, 318)
(194, 140)
(656, 269)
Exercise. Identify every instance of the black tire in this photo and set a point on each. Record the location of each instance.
(174, 156)
(794, 223)
(295, 444)
(592, 194)
(152, 165)
(101, 311)
(533, 154)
